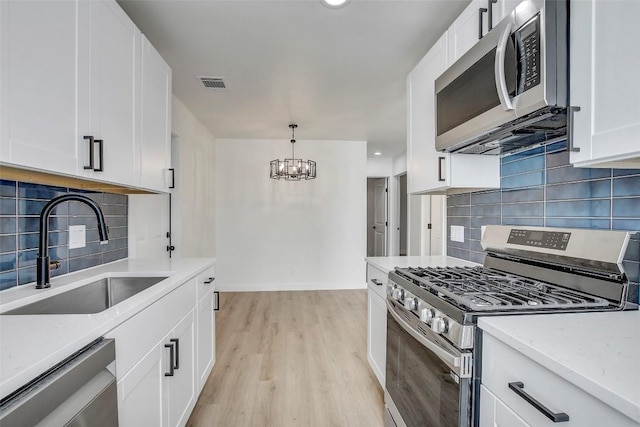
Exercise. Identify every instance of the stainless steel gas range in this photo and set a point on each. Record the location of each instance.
(433, 346)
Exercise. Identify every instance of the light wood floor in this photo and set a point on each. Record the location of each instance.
(291, 359)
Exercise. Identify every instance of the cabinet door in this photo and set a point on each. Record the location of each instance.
(426, 167)
(140, 394)
(155, 149)
(206, 342)
(180, 389)
(38, 73)
(501, 9)
(109, 95)
(465, 30)
(377, 335)
(603, 38)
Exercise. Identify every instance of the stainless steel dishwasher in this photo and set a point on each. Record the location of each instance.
(79, 391)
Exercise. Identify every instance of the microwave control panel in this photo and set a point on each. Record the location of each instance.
(540, 239)
(529, 34)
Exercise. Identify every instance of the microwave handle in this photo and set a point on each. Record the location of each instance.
(501, 78)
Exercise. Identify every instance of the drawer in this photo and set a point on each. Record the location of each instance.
(502, 364)
(377, 280)
(206, 282)
(135, 337)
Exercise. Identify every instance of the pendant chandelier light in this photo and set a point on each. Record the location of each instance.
(293, 169)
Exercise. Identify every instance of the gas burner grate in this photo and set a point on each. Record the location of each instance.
(485, 289)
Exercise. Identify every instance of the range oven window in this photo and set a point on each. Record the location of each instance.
(423, 389)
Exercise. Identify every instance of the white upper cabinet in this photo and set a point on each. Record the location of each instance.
(604, 50)
(430, 171)
(108, 93)
(466, 31)
(38, 93)
(501, 8)
(81, 93)
(155, 122)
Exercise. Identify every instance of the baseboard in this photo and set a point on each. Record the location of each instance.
(313, 286)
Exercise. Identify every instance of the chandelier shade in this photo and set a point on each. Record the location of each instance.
(292, 169)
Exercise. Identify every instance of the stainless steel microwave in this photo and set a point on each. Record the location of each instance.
(510, 90)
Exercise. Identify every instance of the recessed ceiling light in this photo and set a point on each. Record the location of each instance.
(377, 153)
(335, 4)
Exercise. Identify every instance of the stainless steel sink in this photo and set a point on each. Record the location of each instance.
(91, 298)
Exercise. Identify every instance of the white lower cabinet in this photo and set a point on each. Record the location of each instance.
(160, 389)
(501, 405)
(164, 355)
(206, 352)
(377, 322)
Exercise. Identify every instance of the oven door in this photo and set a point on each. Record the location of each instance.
(428, 380)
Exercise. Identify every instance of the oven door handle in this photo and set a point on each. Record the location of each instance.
(453, 361)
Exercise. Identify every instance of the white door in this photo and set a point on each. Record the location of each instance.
(155, 140)
(180, 388)
(604, 50)
(110, 94)
(206, 341)
(140, 397)
(377, 334)
(380, 217)
(38, 84)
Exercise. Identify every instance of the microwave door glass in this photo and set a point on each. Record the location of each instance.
(474, 91)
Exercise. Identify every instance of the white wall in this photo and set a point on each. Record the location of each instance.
(280, 235)
(379, 167)
(194, 198)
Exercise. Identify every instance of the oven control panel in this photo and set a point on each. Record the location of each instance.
(557, 240)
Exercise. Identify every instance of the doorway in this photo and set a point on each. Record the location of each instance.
(403, 228)
(377, 216)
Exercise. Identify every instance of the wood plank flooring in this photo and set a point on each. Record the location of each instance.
(291, 359)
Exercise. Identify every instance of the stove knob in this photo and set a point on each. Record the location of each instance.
(439, 325)
(411, 303)
(390, 288)
(426, 314)
(398, 294)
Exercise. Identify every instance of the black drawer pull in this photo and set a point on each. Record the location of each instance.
(211, 279)
(171, 348)
(176, 341)
(376, 282)
(482, 11)
(556, 417)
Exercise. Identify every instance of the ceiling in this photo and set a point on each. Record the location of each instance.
(340, 74)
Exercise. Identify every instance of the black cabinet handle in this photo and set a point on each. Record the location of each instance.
(440, 160)
(100, 155)
(556, 417)
(376, 282)
(176, 341)
(90, 139)
(173, 178)
(216, 305)
(490, 4)
(482, 10)
(211, 279)
(171, 360)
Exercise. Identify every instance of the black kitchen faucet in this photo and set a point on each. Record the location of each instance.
(44, 263)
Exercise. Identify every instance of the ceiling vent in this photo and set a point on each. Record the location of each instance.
(213, 82)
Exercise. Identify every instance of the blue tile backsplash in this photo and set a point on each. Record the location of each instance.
(540, 188)
(20, 206)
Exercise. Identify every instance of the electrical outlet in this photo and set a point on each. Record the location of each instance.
(457, 233)
(77, 236)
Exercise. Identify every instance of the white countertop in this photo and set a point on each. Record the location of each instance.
(31, 344)
(597, 352)
(388, 263)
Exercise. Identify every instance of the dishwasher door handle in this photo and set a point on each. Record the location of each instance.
(68, 384)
